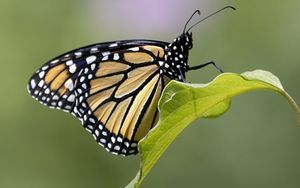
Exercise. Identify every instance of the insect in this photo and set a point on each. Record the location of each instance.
(114, 87)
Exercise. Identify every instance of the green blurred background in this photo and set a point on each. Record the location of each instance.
(255, 144)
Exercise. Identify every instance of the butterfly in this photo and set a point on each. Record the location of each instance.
(114, 87)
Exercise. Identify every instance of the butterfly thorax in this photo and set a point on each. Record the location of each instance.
(176, 57)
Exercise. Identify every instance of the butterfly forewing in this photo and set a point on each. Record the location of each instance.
(53, 84)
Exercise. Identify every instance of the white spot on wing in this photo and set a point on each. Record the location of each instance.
(72, 69)
(119, 139)
(33, 84)
(126, 144)
(113, 45)
(78, 54)
(88, 130)
(104, 133)
(93, 66)
(135, 49)
(42, 74)
(47, 91)
(94, 49)
(116, 56)
(90, 59)
(41, 83)
(55, 97)
(117, 147)
(105, 58)
(92, 120)
(45, 67)
(54, 61)
(69, 84)
(97, 133)
(69, 62)
(71, 98)
(105, 53)
(113, 139)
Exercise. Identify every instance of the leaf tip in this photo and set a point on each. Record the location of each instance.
(263, 75)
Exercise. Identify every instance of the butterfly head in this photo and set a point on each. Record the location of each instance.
(186, 40)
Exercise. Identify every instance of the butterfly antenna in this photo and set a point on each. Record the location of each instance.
(227, 7)
(197, 11)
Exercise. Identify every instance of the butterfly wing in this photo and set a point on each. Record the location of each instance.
(53, 83)
(118, 100)
(113, 88)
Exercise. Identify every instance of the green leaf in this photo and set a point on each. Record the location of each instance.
(182, 103)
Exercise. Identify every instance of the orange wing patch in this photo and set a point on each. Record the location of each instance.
(102, 113)
(105, 82)
(155, 50)
(59, 81)
(96, 99)
(149, 119)
(115, 121)
(135, 79)
(111, 67)
(137, 107)
(53, 72)
(137, 57)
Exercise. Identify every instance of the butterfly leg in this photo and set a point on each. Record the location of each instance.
(181, 76)
(204, 65)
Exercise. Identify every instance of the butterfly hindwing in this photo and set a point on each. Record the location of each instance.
(118, 101)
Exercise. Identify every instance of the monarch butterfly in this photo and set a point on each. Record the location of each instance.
(114, 87)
